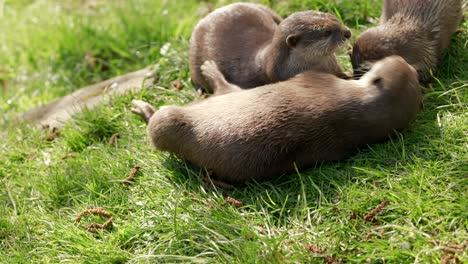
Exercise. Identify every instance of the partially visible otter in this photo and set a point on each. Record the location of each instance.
(417, 30)
(313, 117)
(253, 46)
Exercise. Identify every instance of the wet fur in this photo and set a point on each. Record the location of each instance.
(264, 132)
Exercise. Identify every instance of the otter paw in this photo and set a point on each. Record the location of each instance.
(210, 70)
(143, 109)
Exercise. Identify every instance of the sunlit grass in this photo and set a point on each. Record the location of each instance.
(50, 48)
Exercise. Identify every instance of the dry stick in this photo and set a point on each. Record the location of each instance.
(94, 227)
(314, 249)
(457, 247)
(331, 260)
(376, 210)
(91, 60)
(92, 211)
(55, 134)
(234, 201)
(113, 138)
(177, 85)
(447, 259)
(451, 251)
(69, 155)
(132, 176)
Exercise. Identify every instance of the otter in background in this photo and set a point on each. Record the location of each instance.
(259, 134)
(417, 30)
(253, 46)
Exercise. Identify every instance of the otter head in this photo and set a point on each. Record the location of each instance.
(371, 46)
(313, 33)
(392, 71)
(386, 40)
(395, 81)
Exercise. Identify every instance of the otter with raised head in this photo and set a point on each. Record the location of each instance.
(417, 30)
(253, 46)
(258, 134)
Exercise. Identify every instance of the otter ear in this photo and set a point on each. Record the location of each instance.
(292, 40)
(378, 82)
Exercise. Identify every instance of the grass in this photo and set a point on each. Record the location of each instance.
(50, 48)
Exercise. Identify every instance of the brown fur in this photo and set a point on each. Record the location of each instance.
(313, 117)
(417, 30)
(253, 46)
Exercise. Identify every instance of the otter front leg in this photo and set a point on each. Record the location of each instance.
(143, 109)
(216, 79)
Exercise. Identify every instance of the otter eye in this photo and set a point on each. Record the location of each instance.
(327, 33)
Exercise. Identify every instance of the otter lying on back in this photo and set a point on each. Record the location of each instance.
(417, 30)
(252, 46)
(313, 117)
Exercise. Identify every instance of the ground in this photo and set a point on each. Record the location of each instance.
(402, 201)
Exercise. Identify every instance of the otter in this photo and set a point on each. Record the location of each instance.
(417, 30)
(259, 134)
(253, 46)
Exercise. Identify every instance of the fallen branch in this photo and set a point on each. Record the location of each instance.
(132, 176)
(69, 155)
(113, 138)
(314, 249)
(234, 202)
(370, 216)
(55, 134)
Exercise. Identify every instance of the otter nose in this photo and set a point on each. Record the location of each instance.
(347, 34)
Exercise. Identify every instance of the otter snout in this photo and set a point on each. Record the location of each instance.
(347, 34)
(342, 35)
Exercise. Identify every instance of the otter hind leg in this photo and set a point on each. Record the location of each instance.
(143, 109)
(216, 80)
